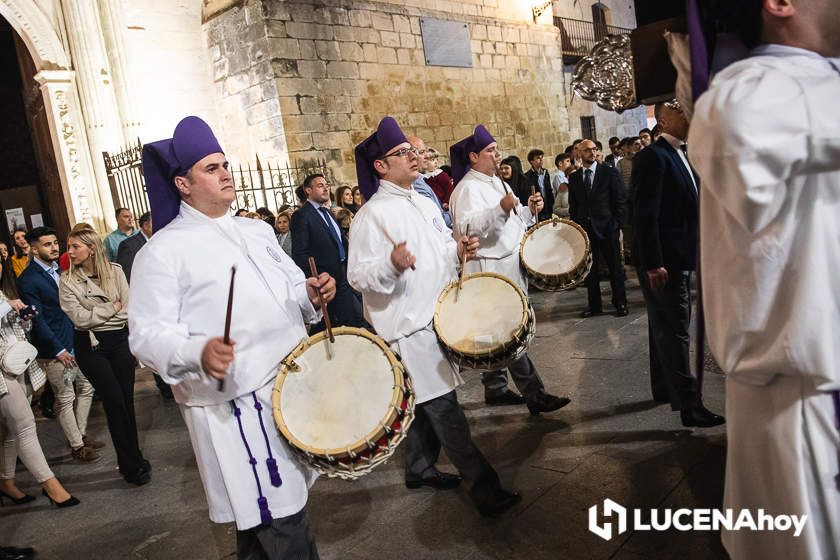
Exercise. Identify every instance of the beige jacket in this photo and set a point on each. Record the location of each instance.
(87, 305)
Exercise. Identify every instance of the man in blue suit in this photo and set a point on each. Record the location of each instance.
(52, 334)
(315, 233)
(666, 225)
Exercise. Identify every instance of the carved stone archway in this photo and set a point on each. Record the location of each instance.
(57, 81)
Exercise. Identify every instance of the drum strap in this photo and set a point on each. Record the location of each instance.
(274, 475)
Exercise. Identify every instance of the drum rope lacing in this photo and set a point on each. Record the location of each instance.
(274, 475)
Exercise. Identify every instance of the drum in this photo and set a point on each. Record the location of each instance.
(556, 255)
(486, 324)
(344, 406)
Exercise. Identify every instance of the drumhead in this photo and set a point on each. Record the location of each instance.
(488, 314)
(338, 400)
(554, 247)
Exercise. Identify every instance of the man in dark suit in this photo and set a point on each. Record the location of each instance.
(315, 233)
(596, 202)
(128, 249)
(52, 335)
(615, 152)
(666, 225)
(539, 180)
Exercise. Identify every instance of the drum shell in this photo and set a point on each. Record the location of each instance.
(565, 280)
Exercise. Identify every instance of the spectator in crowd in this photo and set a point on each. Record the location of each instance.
(20, 257)
(560, 185)
(437, 178)
(125, 229)
(596, 202)
(4, 251)
(344, 196)
(420, 185)
(241, 213)
(300, 194)
(358, 199)
(510, 171)
(631, 147)
(94, 294)
(575, 152)
(316, 233)
(615, 151)
(665, 251)
(599, 151)
(52, 335)
(343, 216)
(284, 236)
(656, 132)
(17, 423)
(253, 216)
(645, 137)
(266, 215)
(539, 179)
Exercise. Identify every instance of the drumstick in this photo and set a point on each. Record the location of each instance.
(321, 301)
(391, 241)
(507, 190)
(463, 262)
(221, 384)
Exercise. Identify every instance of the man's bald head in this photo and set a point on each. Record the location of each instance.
(586, 149)
(422, 153)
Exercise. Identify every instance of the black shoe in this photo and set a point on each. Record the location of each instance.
(700, 417)
(25, 499)
(546, 403)
(438, 481)
(146, 465)
(69, 502)
(586, 313)
(506, 398)
(139, 478)
(661, 400)
(621, 310)
(500, 502)
(14, 553)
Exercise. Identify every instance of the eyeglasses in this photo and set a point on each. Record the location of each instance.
(402, 152)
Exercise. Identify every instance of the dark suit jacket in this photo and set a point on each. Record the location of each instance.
(600, 212)
(665, 210)
(312, 238)
(548, 196)
(52, 330)
(127, 250)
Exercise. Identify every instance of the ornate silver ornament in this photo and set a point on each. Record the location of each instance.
(605, 76)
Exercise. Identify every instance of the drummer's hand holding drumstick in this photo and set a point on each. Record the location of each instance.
(468, 246)
(325, 284)
(402, 258)
(657, 278)
(535, 203)
(216, 357)
(509, 202)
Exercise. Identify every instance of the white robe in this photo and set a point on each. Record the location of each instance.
(475, 202)
(400, 306)
(179, 293)
(764, 140)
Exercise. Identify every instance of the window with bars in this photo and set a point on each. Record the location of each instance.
(587, 128)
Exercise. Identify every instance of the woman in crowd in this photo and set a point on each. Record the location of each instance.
(343, 216)
(510, 172)
(284, 236)
(20, 258)
(4, 251)
(344, 196)
(94, 295)
(358, 199)
(17, 423)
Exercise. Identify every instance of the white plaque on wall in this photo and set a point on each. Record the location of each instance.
(446, 43)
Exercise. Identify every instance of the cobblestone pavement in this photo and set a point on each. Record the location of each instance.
(612, 441)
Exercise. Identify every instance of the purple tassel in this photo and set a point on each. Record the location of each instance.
(265, 513)
(273, 473)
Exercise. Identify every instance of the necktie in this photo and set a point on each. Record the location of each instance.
(54, 274)
(684, 148)
(587, 180)
(326, 213)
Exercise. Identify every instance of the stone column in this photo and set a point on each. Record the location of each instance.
(96, 92)
(70, 143)
(113, 26)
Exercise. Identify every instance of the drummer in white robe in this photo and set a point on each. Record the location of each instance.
(485, 204)
(401, 256)
(179, 291)
(764, 139)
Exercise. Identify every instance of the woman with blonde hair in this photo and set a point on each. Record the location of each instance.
(94, 294)
(17, 423)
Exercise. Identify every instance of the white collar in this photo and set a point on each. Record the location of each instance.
(592, 167)
(393, 189)
(191, 213)
(673, 140)
(45, 266)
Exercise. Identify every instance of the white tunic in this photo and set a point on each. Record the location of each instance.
(400, 306)
(179, 295)
(475, 202)
(765, 142)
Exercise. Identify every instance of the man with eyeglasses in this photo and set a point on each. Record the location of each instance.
(401, 256)
(484, 204)
(316, 233)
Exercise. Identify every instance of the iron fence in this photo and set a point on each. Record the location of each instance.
(577, 37)
(258, 185)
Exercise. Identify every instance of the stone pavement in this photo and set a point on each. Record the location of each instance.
(612, 441)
